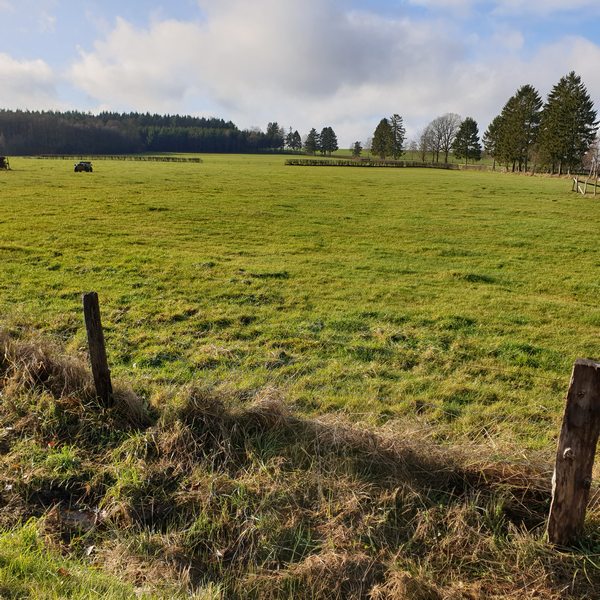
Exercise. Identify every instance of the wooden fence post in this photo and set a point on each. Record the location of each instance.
(100, 370)
(575, 456)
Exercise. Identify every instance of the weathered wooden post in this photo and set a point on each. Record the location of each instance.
(100, 370)
(575, 456)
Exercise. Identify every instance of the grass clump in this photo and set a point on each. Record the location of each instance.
(214, 495)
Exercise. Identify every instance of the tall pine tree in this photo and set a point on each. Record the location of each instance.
(312, 142)
(398, 133)
(568, 124)
(466, 143)
(490, 139)
(518, 128)
(329, 142)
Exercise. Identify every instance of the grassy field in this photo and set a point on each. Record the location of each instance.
(460, 297)
(330, 383)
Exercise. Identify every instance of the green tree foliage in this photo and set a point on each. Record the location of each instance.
(275, 136)
(466, 143)
(293, 141)
(517, 128)
(329, 142)
(356, 149)
(490, 138)
(383, 140)
(33, 132)
(568, 124)
(312, 143)
(398, 133)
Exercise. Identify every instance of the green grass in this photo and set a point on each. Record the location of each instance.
(462, 297)
(29, 570)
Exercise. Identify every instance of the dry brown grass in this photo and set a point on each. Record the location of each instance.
(252, 498)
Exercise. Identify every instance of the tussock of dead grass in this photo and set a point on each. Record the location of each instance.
(250, 498)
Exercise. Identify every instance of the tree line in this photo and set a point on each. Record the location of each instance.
(527, 134)
(558, 135)
(49, 132)
(445, 134)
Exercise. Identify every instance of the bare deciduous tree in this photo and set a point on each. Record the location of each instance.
(443, 131)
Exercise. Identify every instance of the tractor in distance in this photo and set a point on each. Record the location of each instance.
(83, 166)
(4, 164)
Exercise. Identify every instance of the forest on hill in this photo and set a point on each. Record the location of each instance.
(48, 132)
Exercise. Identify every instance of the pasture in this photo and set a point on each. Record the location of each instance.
(460, 297)
(330, 383)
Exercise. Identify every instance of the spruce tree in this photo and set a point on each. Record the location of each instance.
(289, 140)
(296, 141)
(383, 140)
(356, 149)
(568, 124)
(518, 128)
(329, 141)
(490, 139)
(275, 135)
(312, 142)
(466, 143)
(398, 133)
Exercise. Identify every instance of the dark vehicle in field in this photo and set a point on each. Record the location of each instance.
(4, 164)
(83, 166)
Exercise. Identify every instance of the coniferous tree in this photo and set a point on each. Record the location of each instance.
(398, 133)
(275, 135)
(312, 142)
(293, 141)
(289, 139)
(568, 124)
(490, 139)
(383, 140)
(356, 149)
(329, 141)
(518, 128)
(466, 143)
(296, 141)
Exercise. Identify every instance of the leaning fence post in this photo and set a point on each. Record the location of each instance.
(575, 455)
(95, 336)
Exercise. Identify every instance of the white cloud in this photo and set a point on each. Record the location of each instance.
(546, 7)
(27, 84)
(6, 6)
(307, 64)
(315, 64)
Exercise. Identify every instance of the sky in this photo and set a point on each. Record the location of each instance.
(309, 63)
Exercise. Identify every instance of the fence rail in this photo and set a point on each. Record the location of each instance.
(323, 162)
(176, 159)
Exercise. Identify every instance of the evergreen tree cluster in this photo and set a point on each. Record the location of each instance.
(556, 135)
(325, 142)
(388, 138)
(48, 132)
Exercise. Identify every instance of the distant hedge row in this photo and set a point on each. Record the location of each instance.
(317, 162)
(177, 159)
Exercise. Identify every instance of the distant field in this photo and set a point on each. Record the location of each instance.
(462, 297)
